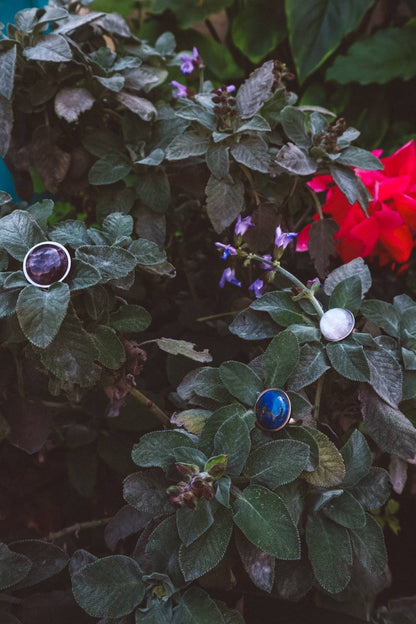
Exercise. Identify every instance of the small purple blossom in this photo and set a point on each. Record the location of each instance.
(230, 88)
(257, 287)
(229, 276)
(242, 225)
(282, 239)
(229, 250)
(265, 266)
(190, 62)
(181, 90)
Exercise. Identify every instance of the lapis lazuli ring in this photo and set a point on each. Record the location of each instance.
(46, 263)
(272, 409)
(336, 324)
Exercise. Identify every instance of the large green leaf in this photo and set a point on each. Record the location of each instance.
(130, 318)
(14, 567)
(357, 458)
(110, 262)
(111, 352)
(329, 552)
(258, 27)
(373, 490)
(110, 587)
(277, 462)
(18, 233)
(331, 469)
(192, 523)
(207, 551)
(355, 267)
(233, 440)
(225, 201)
(265, 521)
(146, 491)
(255, 90)
(346, 511)
(311, 365)
(7, 69)
(317, 27)
(49, 48)
(386, 376)
(108, 170)
(47, 560)
(41, 311)
(196, 607)
(214, 422)
(281, 307)
(368, 545)
(279, 359)
(382, 314)
(347, 294)
(253, 153)
(187, 145)
(241, 381)
(156, 448)
(386, 55)
(348, 359)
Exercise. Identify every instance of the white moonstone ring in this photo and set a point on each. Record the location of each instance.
(336, 324)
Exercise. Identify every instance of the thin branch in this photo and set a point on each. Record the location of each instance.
(148, 404)
(76, 528)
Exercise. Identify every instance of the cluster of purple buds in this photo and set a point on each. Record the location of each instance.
(225, 103)
(195, 485)
(181, 90)
(189, 63)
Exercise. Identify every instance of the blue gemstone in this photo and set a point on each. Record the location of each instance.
(46, 264)
(272, 409)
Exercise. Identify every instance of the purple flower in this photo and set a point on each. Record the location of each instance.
(230, 88)
(257, 287)
(263, 265)
(229, 250)
(181, 90)
(189, 62)
(242, 225)
(229, 276)
(282, 239)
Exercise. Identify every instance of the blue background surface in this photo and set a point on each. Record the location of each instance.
(8, 9)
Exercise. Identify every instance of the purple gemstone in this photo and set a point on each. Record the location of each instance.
(46, 264)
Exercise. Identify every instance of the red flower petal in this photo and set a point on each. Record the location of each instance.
(406, 206)
(402, 162)
(398, 242)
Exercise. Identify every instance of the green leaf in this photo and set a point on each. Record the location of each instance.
(373, 490)
(110, 587)
(18, 233)
(253, 153)
(156, 448)
(187, 145)
(140, 106)
(368, 545)
(293, 123)
(263, 518)
(41, 211)
(214, 422)
(349, 360)
(71, 355)
(82, 276)
(331, 469)
(218, 160)
(111, 353)
(225, 201)
(276, 463)
(387, 55)
(281, 307)
(146, 491)
(272, 108)
(357, 458)
(317, 27)
(130, 318)
(147, 252)
(346, 511)
(208, 550)
(41, 311)
(233, 440)
(293, 160)
(192, 523)
(257, 28)
(352, 186)
(208, 384)
(8, 300)
(7, 69)
(280, 359)
(154, 190)
(388, 427)
(184, 348)
(357, 157)
(118, 226)
(50, 48)
(6, 115)
(382, 314)
(347, 294)
(196, 607)
(240, 381)
(110, 262)
(329, 552)
(73, 233)
(321, 244)
(255, 90)
(355, 267)
(386, 375)
(252, 325)
(13, 567)
(47, 560)
(108, 170)
(311, 365)
(222, 495)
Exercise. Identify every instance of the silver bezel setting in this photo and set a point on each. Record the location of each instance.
(346, 333)
(64, 249)
(259, 425)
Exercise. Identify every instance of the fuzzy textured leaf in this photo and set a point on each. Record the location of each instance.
(41, 311)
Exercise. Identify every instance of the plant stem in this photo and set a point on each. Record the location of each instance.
(318, 395)
(215, 316)
(146, 402)
(316, 202)
(75, 528)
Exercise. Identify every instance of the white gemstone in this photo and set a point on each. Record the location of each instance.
(337, 324)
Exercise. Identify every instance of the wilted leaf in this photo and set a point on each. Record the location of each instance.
(71, 102)
(185, 348)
